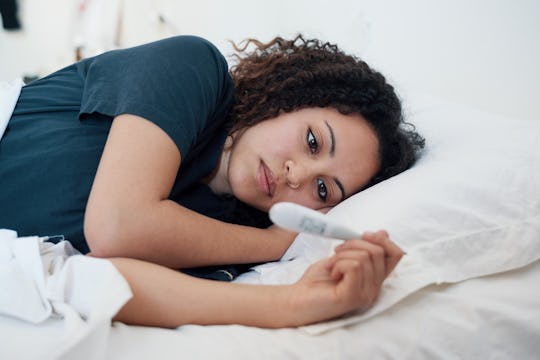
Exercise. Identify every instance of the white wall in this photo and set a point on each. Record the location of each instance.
(483, 53)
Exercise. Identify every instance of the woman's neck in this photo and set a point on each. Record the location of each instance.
(218, 180)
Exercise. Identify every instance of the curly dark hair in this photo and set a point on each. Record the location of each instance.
(288, 75)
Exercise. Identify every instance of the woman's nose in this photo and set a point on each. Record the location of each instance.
(295, 174)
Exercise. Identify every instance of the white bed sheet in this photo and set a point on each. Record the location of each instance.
(476, 319)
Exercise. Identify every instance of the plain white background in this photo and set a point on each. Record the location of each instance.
(483, 53)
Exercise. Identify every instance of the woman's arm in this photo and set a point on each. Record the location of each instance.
(129, 215)
(349, 280)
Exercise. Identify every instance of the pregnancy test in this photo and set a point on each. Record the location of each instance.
(299, 218)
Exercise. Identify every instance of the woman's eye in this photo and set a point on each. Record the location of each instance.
(312, 142)
(321, 189)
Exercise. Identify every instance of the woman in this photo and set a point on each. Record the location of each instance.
(157, 153)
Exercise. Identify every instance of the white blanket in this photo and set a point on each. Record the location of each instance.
(42, 281)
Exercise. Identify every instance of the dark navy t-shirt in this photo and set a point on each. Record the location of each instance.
(53, 143)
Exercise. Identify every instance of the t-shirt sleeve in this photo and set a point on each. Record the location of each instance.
(181, 84)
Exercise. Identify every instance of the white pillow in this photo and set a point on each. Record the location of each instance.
(479, 171)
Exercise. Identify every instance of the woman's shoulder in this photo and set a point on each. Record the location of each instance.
(190, 40)
(193, 45)
(169, 59)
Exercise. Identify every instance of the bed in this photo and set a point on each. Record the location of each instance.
(467, 214)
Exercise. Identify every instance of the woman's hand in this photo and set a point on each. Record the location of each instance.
(349, 280)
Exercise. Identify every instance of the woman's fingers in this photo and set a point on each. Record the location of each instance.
(393, 252)
(356, 279)
(367, 252)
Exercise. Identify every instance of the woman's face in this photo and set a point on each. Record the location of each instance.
(315, 157)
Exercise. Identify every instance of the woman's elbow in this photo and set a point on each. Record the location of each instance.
(104, 236)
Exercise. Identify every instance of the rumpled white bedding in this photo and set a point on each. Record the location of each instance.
(41, 282)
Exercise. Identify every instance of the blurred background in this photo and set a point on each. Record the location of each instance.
(482, 53)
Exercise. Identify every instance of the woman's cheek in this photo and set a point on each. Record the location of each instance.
(302, 197)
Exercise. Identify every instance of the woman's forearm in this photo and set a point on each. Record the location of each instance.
(176, 237)
(166, 298)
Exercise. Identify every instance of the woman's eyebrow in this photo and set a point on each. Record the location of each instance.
(332, 139)
(332, 152)
(341, 188)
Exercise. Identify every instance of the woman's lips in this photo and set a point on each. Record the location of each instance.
(265, 180)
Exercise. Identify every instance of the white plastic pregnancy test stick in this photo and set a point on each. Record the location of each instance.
(302, 219)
